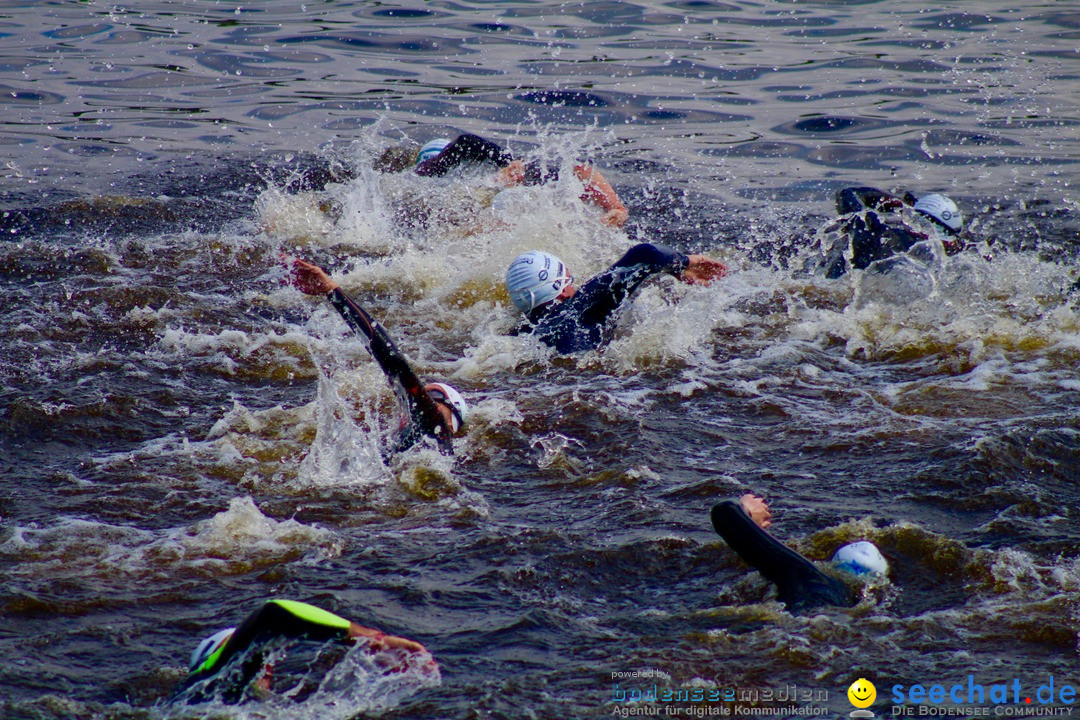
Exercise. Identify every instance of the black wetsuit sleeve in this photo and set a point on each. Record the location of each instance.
(580, 323)
(800, 585)
(424, 415)
(857, 199)
(464, 149)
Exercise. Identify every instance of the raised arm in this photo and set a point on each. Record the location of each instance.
(599, 192)
(799, 583)
(425, 413)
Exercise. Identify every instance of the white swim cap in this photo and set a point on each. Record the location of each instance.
(534, 278)
(941, 209)
(861, 558)
(458, 409)
(209, 646)
(431, 148)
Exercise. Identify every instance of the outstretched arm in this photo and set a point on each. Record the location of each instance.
(312, 280)
(382, 641)
(466, 148)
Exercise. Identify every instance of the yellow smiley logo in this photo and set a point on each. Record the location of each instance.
(862, 693)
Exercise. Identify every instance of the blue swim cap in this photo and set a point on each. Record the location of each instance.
(861, 558)
(535, 278)
(431, 148)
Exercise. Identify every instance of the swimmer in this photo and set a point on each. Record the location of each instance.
(435, 410)
(869, 238)
(440, 156)
(800, 584)
(572, 320)
(222, 666)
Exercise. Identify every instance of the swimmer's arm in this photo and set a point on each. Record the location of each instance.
(313, 280)
(799, 583)
(599, 192)
(287, 618)
(857, 199)
(465, 148)
(422, 408)
(274, 618)
(381, 641)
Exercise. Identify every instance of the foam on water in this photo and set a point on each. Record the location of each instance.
(93, 553)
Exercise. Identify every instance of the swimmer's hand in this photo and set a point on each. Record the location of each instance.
(511, 175)
(380, 641)
(703, 270)
(310, 279)
(616, 217)
(757, 509)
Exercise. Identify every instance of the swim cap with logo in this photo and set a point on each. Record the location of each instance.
(941, 210)
(535, 278)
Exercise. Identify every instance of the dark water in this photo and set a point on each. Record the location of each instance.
(183, 436)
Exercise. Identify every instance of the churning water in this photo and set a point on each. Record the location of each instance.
(184, 436)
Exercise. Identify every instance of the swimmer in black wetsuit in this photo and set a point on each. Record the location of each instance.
(435, 410)
(800, 584)
(466, 149)
(222, 666)
(871, 238)
(572, 320)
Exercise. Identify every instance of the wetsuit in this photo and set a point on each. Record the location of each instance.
(467, 149)
(870, 238)
(275, 619)
(424, 415)
(586, 320)
(800, 585)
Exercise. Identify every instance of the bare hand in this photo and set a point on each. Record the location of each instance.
(615, 217)
(382, 641)
(512, 175)
(310, 279)
(703, 270)
(757, 509)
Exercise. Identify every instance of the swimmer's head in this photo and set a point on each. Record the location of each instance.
(861, 558)
(451, 398)
(431, 148)
(535, 278)
(208, 647)
(942, 211)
